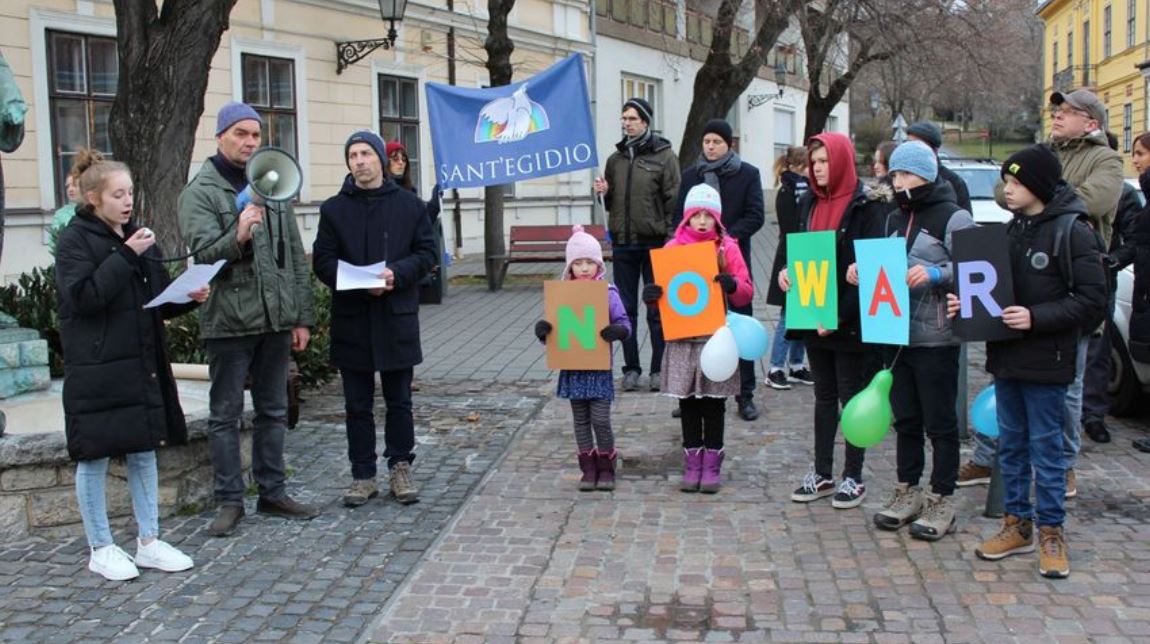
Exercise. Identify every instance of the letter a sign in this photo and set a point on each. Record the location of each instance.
(577, 311)
(813, 299)
(883, 293)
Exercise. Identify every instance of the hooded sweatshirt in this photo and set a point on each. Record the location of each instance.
(840, 189)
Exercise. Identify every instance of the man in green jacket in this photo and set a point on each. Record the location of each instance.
(260, 311)
(640, 189)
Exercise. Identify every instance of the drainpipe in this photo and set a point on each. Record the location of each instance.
(456, 209)
(593, 72)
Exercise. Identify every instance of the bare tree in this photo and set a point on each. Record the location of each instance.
(165, 51)
(499, 47)
(722, 78)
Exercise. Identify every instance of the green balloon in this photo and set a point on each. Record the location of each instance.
(867, 416)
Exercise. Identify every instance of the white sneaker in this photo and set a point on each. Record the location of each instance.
(112, 563)
(161, 556)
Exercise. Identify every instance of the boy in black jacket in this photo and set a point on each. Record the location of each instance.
(1031, 373)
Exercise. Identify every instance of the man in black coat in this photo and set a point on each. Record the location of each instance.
(373, 330)
(741, 191)
(930, 134)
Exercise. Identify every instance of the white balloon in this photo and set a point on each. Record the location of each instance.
(720, 356)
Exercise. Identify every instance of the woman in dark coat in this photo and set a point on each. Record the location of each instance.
(1135, 249)
(399, 169)
(791, 177)
(120, 396)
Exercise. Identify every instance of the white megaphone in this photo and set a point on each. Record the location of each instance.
(273, 175)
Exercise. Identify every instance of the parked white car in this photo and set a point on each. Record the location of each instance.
(980, 178)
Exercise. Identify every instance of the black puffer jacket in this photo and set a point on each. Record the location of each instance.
(119, 393)
(792, 186)
(1046, 352)
(1139, 235)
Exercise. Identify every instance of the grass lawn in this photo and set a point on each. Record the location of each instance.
(973, 147)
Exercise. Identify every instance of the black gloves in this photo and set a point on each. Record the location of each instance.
(542, 328)
(652, 293)
(726, 282)
(613, 333)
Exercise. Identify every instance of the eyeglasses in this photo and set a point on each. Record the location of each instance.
(1067, 111)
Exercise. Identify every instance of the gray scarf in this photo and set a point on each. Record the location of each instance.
(633, 144)
(725, 165)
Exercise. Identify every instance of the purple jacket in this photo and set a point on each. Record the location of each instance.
(615, 311)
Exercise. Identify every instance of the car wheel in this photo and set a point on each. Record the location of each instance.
(1123, 386)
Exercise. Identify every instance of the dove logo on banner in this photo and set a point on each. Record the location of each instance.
(542, 126)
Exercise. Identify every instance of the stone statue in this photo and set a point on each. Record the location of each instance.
(12, 110)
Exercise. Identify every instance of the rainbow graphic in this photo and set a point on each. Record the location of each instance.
(510, 118)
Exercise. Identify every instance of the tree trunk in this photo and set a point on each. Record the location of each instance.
(499, 47)
(165, 56)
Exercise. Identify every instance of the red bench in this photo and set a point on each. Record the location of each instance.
(546, 244)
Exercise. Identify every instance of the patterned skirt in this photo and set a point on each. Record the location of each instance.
(682, 377)
(586, 385)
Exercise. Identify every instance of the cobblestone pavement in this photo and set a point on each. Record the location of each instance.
(322, 580)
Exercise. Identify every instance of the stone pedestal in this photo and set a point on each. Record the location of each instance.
(23, 362)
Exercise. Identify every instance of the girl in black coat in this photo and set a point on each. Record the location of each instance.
(791, 177)
(120, 397)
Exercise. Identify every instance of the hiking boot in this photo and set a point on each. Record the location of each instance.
(972, 473)
(656, 381)
(287, 508)
(802, 375)
(227, 518)
(1071, 484)
(692, 470)
(1016, 537)
(937, 519)
(747, 410)
(630, 380)
(588, 467)
(851, 493)
(402, 486)
(776, 379)
(903, 505)
(605, 470)
(712, 478)
(1053, 560)
(1097, 431)
(360, 492)
(112, 563)
(814, 487)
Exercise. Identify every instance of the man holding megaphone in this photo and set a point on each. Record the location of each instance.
(260, 309)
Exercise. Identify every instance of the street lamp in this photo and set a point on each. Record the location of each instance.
(349, 52)
(755, 100)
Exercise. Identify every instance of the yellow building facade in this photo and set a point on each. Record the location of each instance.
(1104, 46)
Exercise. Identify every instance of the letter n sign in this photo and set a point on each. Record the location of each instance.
(577, 310)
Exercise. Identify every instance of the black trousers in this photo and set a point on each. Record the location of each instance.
(1095, 399)
(629, 263)
(923, 397)
(746, 367)
(703, 422)
(838, 377)
(399, 426)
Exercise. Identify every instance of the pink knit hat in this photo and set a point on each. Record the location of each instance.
(583, 246)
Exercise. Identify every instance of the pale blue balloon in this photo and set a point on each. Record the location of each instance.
(751, 336)
(984, 413)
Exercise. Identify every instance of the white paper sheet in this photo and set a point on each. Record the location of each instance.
(349, 277)
(196, 277)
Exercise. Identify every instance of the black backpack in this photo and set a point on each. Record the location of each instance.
(1062, 253)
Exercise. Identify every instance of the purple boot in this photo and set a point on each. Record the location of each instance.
(692, 469)
(587, 464)
(712, 462)
(606, 470)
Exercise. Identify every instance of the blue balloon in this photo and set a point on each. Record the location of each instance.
(984, 414)
(751, 337)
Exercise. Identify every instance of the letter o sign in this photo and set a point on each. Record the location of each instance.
(676, 303)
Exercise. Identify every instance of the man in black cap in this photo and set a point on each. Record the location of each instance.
(930, 134)
(640, 187)
(740, 188)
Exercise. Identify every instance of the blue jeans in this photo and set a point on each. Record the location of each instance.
(1030, 421)
(230, 360)
(781, 347)
(1072, 423)
(143, 483)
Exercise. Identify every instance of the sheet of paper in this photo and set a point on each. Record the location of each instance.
(196, 277)
(349, 277)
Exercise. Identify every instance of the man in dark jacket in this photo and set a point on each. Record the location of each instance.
(930, 134)
(741, 191)
(260, 310)
(640, 187)
(373, 330)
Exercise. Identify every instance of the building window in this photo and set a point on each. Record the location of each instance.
(1106, 31)
(1086, 53)
(399, 117)
(1131, 14)
(83, 72)
(646, 89)
(269, 87)
(783, 131)
(1054, 59)
(1127, 127)
(1069, 49)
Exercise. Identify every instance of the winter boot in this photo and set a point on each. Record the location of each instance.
(1053, 561)
(903, 506)
(1015, 537)
(587, 465)
(692, 469)
(937, 519)
(712, 479)
(605, 468)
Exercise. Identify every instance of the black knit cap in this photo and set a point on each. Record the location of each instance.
(720, 127)
(1037, 168)
(642, 107)
(927, 132)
